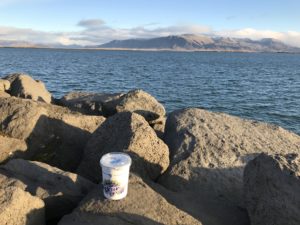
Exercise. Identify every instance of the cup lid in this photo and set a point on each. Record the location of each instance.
(115, 159)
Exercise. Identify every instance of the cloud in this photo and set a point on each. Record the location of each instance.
(91, 23)
(103, 33)
(96, 31)
(289, 37)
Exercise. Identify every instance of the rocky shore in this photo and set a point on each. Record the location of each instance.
(189, 167)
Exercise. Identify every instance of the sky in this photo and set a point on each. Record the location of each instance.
(89, 22)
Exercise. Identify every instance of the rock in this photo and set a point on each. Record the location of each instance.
(210, 150)
(141, 206)
(25, 87)
(139, 102)
(4, 85)
(130, 133)
(88, 103)
(208, 153)
(18, 207)
(159, 127)
(11, 147)
(204, 206)
(136, 101)
(271, 185)
(53, 134)
(11, 77)
(4, 94)
(61, 191)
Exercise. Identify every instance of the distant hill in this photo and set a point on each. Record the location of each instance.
(186, 42)
(17, 44)
(25, 44)
(190, 42)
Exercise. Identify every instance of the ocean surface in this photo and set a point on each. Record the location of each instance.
(260, 86)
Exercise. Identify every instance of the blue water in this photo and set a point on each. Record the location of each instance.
(260, 86)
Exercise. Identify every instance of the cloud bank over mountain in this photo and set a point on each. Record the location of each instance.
(96, 31)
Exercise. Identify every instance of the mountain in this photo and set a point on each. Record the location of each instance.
(25, 44)
(186, 42)
(22, 44)
(190, 42)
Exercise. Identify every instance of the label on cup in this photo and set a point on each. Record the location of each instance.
(114, 185)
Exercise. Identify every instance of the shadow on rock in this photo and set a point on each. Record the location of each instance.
(107, 219)
(130, 133)
(196, 195)
(57, 143)
(128, 218)
(34, 217)
(61, 191)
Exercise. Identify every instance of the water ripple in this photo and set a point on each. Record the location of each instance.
(264, 87)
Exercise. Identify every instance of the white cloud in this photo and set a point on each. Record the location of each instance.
(105, 33)
(29, 35)
(95, 31)
(289, 37)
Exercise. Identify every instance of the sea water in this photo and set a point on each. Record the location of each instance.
(259, 86)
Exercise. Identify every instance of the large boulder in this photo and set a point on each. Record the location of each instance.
(141, 206)
(53, 134)
(126, 132)
(4, 85)
(140, 102)
(18, 207)
(88, 103)
(210, 150)
(272, 189)
(60, 190)
(137, 101)
(25, 86)
(208, 153)
(11, 147)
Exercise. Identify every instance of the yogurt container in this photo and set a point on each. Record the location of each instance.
(115, 173)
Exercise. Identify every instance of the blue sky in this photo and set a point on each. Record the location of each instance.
(92, 21)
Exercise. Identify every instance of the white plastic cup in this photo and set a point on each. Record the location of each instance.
(115, 174)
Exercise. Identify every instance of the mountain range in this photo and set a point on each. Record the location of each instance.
(26, 44)
(186, 42)
(190, 42)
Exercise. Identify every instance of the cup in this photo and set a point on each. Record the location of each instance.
(115, 174)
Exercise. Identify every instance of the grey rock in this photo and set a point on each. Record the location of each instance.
(141, 206)
(3, 94)
(208, 153)
(107, 105)
(210, 150)
(24, 86)
(53, 134)
(126, 132)
(11, 147)
(140, 102)
(4, 85)
(61, 191)
(11, 77)
(88, 103)
(18, 207)
(159, 127)
(271, 185)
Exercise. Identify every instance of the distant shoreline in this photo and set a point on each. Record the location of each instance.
(149, 50)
